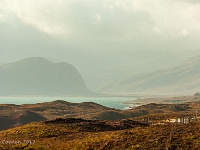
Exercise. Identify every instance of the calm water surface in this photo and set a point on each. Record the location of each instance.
(112, 102)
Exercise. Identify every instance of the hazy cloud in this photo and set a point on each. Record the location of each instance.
(111, 33)
(125, 18)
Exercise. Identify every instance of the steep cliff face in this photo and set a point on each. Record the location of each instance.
(39, 76)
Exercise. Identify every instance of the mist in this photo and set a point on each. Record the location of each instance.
(105, 40)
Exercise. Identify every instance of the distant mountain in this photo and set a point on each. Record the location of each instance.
(39, 76)
(124, 64)
(183, 79)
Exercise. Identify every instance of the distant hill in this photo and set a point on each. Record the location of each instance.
(149, 126)
(183, 79)
(10, 117)
(14, 115)
(39, 76)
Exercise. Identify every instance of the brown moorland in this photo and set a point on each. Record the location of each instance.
(103, 135)
(142, 127)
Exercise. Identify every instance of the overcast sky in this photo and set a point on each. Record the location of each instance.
(84, 32)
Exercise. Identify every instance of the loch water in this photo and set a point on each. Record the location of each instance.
(112, 102)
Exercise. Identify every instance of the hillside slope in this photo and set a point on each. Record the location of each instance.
(183, 79)
(39, 76)
(15, 115)
(101, 135)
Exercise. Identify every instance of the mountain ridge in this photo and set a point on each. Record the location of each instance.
(39, 76)
(180, 80)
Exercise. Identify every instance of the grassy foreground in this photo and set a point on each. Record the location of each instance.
(63, 136)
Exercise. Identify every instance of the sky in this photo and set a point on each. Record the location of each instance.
(102, 35)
